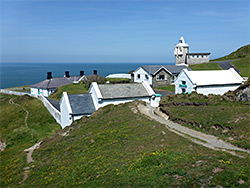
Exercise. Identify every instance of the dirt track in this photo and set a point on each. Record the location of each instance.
(200, 138)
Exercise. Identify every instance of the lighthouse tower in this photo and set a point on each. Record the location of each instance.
(180, 51)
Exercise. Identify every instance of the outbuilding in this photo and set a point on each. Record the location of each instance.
(75, 106)
(208, 82)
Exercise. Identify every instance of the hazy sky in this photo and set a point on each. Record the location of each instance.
(119, 30)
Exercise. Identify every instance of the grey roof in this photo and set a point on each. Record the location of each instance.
(198, 53)
(118, 91)
(55, 82)
(81, 104)
(173, 69)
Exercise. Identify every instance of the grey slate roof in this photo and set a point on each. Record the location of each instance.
(55, 82)
(119, 91)
(81, 104)
(198, 53)
(153, 69)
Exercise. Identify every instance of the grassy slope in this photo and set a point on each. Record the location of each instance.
(19, 137)
(205, 66)
(243, 65)
(70, 89)
(233, 117)
(116, 147)
(240, 53)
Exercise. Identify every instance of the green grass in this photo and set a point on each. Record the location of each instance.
(243, 65)
(70, 89)
(228, 120)
(205, 66)
(19, 137)
(20, 88)
(170, 88)
(118, 80)
(116, 147)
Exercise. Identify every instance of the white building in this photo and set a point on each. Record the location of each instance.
(48, 86)
(157, 75)
(182, 55)
(207, 82)
(75, 106)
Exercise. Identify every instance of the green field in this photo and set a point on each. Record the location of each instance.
(70, 89)
(18, 135)
(205, 66)
(229, 120)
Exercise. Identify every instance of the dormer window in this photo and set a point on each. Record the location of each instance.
(138, 76)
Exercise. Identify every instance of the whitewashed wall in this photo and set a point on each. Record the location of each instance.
(66, 110)
(142, 78)
(52, 110)
(183, 77)
(44, 92)
(217, 90)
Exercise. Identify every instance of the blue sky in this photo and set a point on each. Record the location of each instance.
(119, 30)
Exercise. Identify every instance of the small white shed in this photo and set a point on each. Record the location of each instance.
(208, 82)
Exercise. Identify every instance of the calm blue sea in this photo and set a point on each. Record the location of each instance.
(19, 74)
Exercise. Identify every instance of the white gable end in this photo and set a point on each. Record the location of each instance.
(140, 75)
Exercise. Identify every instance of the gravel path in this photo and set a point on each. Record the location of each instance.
(200, 138)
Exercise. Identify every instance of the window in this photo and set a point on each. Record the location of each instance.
(197, 56)
(146, 76)
(202, 56)
(183, 82)
(160, 77)
(192, 56)
(138, 76)
(173, 79)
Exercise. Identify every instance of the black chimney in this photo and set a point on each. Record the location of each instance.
(81, 73)
(67, 74)
(95, 71)
(49, 75)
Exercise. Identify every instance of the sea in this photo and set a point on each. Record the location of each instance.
(21, 74)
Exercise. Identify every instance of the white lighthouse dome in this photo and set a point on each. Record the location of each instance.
(182, 43)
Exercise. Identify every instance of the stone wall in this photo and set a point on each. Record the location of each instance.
(158, 83)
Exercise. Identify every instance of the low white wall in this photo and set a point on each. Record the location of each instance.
(15, 92)
(52, 110)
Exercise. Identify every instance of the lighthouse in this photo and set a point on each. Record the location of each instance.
(180, 51)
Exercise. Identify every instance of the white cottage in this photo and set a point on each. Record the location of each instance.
(48, 86)
(75, 106)
(157, 75)
(207, 82)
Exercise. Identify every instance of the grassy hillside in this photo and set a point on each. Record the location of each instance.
(119, 147)
(70, 89)
(205, 66)
(228, 120)
(240, 53)
(18, 135)
(243, 65)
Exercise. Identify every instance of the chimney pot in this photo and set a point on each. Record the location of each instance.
(49, 75)
(67, 74)
(81, 73)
